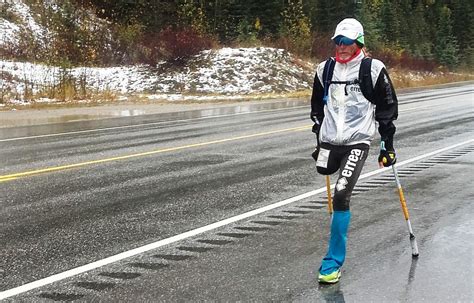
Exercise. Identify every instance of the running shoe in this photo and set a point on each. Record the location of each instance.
(330, 278)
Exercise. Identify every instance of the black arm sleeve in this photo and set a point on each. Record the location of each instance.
(386, 108)
(317, 106)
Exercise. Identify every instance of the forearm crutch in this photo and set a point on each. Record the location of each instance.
(414, 246)
(328, 189)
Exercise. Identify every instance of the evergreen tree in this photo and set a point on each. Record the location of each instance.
(329, 13)
(219, 12)
(191, 15)
(367, 14)
(237, 20)
(418, 43)
(446, 46)
(296, 27)
(405, 24)
(463, 29)
(390, 17)
(431, 9)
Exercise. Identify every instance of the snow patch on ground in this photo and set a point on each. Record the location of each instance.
(20, 24)
(24, 12)
(227, 71)
(9, 33)
(25, 22)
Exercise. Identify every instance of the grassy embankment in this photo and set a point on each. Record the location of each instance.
(67, 95)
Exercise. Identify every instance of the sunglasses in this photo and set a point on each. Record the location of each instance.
(342, 40)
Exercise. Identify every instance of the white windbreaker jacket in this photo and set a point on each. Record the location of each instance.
(348, 118)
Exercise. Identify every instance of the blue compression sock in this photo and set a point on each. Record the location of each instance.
(337, 243)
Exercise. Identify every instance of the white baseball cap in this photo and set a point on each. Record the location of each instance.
(350, 28)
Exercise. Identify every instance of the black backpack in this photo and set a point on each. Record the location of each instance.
(364, 81)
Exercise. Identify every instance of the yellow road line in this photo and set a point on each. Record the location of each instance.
(14, 176)
(8, 179)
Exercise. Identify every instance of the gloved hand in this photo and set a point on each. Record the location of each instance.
(387, 157)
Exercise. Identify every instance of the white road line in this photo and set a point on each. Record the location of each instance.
(112, 259)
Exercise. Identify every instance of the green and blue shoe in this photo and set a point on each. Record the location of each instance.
(330, 278)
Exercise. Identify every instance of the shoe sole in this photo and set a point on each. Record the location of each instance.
(333, 281)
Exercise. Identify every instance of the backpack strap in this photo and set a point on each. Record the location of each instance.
(327, 76)
(365, 79)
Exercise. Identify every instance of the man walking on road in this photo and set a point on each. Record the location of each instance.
(351, 92)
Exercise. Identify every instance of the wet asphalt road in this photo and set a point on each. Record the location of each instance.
(54, 221)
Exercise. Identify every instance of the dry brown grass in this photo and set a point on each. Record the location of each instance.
(69, 96)
(407, 79)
